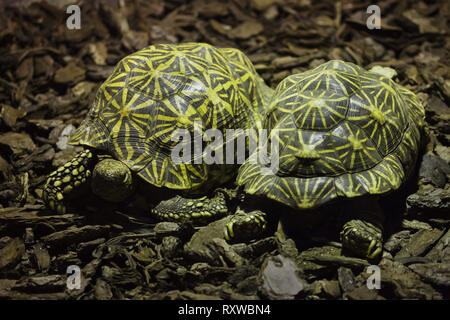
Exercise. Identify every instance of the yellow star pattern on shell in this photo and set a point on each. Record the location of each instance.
(344, 132)
(161, 88)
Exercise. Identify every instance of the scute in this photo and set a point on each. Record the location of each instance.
(306, 153)
(368, 150)
(354, 149)
(156, 91)
(379, 109)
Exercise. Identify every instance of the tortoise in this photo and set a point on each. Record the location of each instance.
(343, 133)
(129, 130)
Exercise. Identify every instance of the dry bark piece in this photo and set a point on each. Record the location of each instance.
(404, 283)
(171, 246)
(6, 169)
(271, 13)
(135, 40)
(76, 35)
(211, 8)
(5, 287)
(435, 273)
(419, 243)
(10, 115)
(397, 240)
(71, 73)
(362, 293)
(167, 228)
(199, 248)
(102, 290)
(429, 199)
(227, 252)
(98, 73)
(41, 284)
(329, 256)
(46, 124)
(279, 278)
(44, 66)
(437, 254)
(13, 218)
(313, 270)
(330, 288)
(63, 139)
(126, 276)
(44, 153)
(324, 21)
(25, 69)
(277, 77)
(424, 25)
(262, 5)
(434, 170)
(98, 52)
(86, 248)
(18, 142)
(290, 62)
(74, 235)
(41, 256)
(114, 17)
(246, 30)
(11, 254)
(260, 58)
(221, 28)
(346, 279)
(443, 153)
(415, 225)
(84, 88)
(255, 249)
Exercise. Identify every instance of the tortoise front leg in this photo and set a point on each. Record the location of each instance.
(245, 226)
(198, 211)
(363, 235)
(67, 179)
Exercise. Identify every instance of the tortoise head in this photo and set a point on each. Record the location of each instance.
(112, 180)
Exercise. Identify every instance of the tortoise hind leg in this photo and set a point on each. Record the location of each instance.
(363, 235)
(67, 179)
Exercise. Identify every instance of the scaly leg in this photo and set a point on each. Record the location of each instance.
(198, 210)
(67, 179)
(363, 235)
(245, 226)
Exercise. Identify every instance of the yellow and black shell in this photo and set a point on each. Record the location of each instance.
(163, 87)
(343, 132)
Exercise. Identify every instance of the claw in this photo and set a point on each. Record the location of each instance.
(371, 245)
(375, 253)
(228, 231)
(226, 234)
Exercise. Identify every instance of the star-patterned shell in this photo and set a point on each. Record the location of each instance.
(164, 87)
(342, 131)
